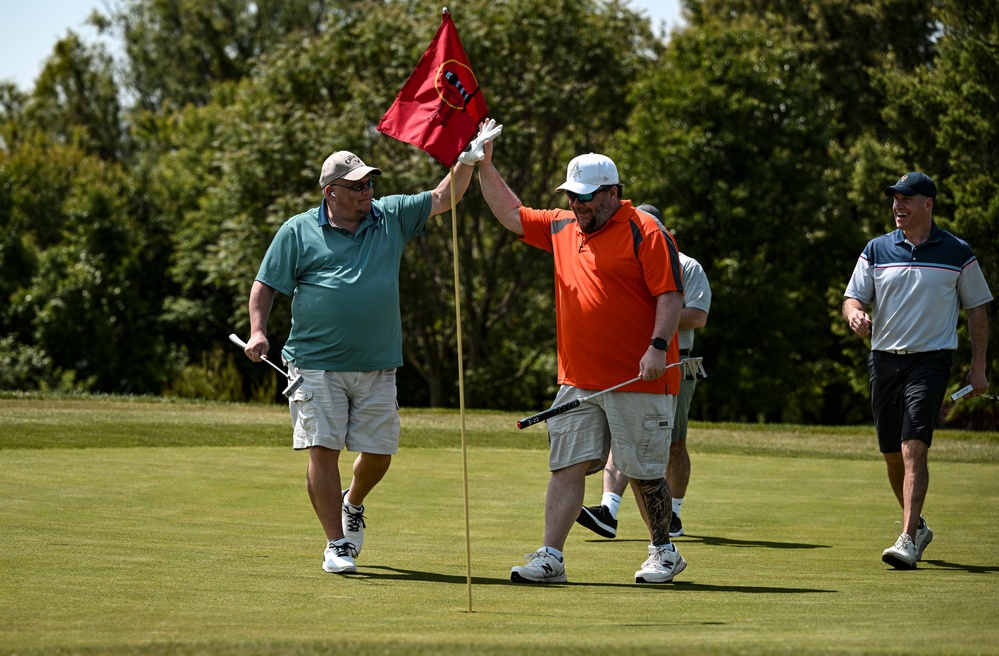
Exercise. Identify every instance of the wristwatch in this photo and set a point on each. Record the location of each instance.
(659, 343)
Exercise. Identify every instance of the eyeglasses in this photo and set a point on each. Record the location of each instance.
(584, 198)
(360, 186)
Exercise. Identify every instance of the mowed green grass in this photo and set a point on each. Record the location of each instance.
(169, 528)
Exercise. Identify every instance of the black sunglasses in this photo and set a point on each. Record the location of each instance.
(585, 198)
(360, 186)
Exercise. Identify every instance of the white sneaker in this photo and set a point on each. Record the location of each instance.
(541, 567)
(923, 537)
(902, 555)
(663, 564)
(353, 525)
(337, 558)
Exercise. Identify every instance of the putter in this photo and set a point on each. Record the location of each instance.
(293, 383)
(565, 407)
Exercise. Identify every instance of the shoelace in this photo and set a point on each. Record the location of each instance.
(343, 549)
(537, 555)
(355, 520)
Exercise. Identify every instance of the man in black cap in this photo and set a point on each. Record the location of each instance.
(915, 279)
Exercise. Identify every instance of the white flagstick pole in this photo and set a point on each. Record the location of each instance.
(461, 389)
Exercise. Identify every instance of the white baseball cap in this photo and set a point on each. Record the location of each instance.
(589, 172)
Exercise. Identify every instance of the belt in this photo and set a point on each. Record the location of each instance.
(900, 352)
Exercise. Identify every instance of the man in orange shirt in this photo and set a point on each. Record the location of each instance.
(618, 296)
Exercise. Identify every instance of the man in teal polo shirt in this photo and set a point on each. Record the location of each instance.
(339, 262)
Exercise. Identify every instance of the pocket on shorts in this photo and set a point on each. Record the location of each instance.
(305, 412)
(657, 430)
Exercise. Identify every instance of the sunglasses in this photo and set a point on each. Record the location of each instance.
(584, 198)
(360, 186)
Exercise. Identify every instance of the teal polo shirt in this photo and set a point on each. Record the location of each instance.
(345, 288)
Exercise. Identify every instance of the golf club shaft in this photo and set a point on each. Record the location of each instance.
(238, 342)
(564, 407)
(559, 409)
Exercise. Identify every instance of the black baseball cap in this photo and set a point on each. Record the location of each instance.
(653, 210)
(912, 184)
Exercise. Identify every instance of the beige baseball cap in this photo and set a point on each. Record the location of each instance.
(346, 165)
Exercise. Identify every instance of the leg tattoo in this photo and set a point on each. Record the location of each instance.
(659, 505)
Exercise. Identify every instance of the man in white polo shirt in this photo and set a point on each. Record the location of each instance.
(915, 279)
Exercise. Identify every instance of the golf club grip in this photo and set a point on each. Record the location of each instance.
(238, 342)
(551, 412)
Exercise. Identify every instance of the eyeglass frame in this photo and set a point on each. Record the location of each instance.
(358, 187)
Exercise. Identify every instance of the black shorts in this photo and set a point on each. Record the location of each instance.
(906, 394)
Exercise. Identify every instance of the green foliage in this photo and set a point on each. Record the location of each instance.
(76, 99)
(733, 135)
(25, 367)
(137, 201)
(179, 49)
(215, 378)
(85, 288)
(944, 116)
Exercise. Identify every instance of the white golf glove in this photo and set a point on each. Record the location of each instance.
(474, 151)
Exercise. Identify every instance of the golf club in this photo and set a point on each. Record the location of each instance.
(293, 383)
(967, 390)
(565, 407)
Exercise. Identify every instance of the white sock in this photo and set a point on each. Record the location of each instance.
(553, 551)
(612, 501)
(677, 502)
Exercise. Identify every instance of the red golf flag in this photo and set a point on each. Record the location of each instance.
(440, 107)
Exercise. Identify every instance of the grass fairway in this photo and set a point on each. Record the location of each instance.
(167, 528)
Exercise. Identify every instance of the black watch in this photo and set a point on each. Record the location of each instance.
(660, 343)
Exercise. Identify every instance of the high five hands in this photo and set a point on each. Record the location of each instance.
(475, 151)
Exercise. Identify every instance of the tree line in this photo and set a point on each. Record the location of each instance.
(138, 194)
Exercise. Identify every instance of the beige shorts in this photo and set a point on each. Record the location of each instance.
(637, 426)
(353, 410)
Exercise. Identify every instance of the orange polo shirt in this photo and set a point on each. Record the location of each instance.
(606, 285)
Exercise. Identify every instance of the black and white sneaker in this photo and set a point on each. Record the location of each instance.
(675, 526)
(352, 518)
(337, 558)
(599, 520)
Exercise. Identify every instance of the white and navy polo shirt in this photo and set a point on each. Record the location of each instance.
(914, 291)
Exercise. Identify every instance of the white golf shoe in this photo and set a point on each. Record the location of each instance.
(901, 555)
(541, 567)
(664, 562)
(923, 537)
(337, 558)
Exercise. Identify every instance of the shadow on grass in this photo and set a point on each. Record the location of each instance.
(971, 569)
(731, 542)
(396, 574)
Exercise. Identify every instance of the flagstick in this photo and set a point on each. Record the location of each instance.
(461, 390)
